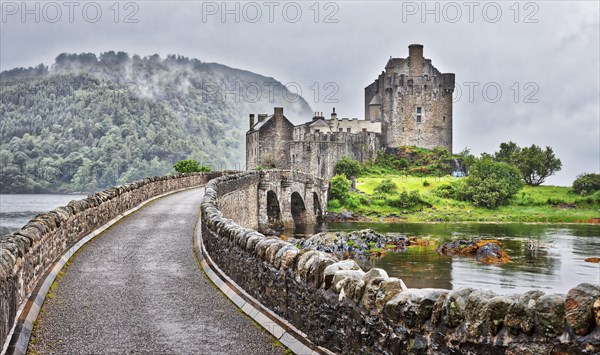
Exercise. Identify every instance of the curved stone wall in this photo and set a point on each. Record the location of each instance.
(346, 310)
(26, 254)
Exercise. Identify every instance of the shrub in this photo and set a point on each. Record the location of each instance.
(490, 183)
(426, 183)
(348, 167)
(386, 186)
(405, 199)
(589, 183)
(339, 188)
(334, 204)
(446, 190)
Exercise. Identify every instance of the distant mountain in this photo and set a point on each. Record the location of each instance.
(90, 122)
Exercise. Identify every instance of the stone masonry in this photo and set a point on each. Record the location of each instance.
(410, 103)
(26, 254)
(349, 311)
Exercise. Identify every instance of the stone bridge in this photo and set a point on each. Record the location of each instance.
(288, 198)
(136, 287)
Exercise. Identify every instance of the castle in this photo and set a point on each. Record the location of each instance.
(410, 103)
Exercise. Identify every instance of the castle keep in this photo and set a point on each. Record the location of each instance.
(410, 103)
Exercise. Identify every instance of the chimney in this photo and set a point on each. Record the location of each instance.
(415, 57)
(251, 121)
(278, 111)
(334, 115)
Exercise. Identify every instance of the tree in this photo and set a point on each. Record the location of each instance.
(507, 153)
(586, 184)
(190, 166)
(339, 187)
(348, 167)
(536, 164)
(491, 183)
(467, 159)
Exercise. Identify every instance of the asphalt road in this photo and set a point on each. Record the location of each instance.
(137, 288)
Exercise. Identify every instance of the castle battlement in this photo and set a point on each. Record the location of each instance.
(410, 103)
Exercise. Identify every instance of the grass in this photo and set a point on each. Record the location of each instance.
(531, 204)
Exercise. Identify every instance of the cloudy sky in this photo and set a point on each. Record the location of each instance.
(527, 72)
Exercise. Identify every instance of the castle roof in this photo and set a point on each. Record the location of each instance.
(262, 123)
(319, 123)
(376, 100)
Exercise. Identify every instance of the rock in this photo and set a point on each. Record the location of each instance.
(414, 306)
(579, 306)
(350, 281)
(551, 314)
(388, 289)
(596, 309)
(476, 312)
(484, 251)
(374, 273)
(340, 265)
(340, 276)
(521, 314)
(496, 311)
(454, 307)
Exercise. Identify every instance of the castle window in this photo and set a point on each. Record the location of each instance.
(364, 129)
(341, 130)
(317, 130)
(427, 77)
(419, 113)
(349, 130)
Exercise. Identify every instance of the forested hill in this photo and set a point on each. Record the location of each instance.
(87, 122)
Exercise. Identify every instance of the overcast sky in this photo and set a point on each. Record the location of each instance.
(543, 55)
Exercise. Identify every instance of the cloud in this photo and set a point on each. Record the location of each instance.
(554, 45)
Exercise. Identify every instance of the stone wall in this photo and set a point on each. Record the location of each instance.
(349, 311)
(404, 87)
(319, 153)
(26, 254)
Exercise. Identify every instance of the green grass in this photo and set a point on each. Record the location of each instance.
(531, 204)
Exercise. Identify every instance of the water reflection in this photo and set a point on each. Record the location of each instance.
(544, 256)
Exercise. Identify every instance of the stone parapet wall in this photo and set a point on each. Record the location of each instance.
(349, 311)
(26, 254)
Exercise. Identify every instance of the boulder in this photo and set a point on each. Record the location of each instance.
(340, 265)
(579, 307)
(551, 314)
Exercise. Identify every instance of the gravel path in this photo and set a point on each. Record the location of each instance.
(137, 288)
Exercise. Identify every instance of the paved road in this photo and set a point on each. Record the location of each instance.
(137, 288)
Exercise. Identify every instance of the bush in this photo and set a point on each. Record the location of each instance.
(190, 166)
(426, 183)
(405, 199)
(589, 183)
(386, 187)
(447, 190)
(490, 183)
(348, 167)
(334, 204)
(339, 188)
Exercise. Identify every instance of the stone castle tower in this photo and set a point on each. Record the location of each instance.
(413, 101)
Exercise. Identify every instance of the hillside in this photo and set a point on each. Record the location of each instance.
(89, 122)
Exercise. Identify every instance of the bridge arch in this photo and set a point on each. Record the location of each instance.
(318, 210)
(298, 208)
(273, 209)
(285, 199)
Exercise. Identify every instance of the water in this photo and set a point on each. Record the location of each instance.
(547, 257)
(16, 210)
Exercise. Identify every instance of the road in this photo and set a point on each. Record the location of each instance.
(137, 288)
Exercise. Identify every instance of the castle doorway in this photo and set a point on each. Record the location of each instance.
(298, 209)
